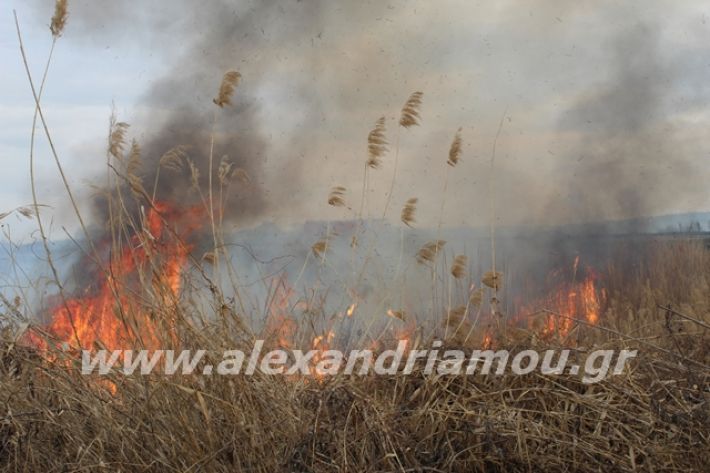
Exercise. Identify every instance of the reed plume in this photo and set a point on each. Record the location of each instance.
(376, 144)
(224, 170)
(175, 158)
(59, 20)
(241, 175)
(226, 89)
(476, 297)
(429, 251)
(117, 139)
(396, 314)
(409, 117)
(410, 111)
(335, 198)
(455, 150)
(458, 268)
(194, 174)
(493, 279)
(408, 211)
(320, 247)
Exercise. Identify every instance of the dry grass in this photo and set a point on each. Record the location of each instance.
(654, 417)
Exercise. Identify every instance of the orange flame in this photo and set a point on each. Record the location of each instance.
(571, 301)
(115, 315)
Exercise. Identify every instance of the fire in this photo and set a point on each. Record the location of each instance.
(114, 315)
(571, 301)
(281, 327)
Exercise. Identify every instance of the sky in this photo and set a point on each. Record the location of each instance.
(602, 106)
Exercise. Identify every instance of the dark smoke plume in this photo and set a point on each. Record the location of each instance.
(626, 148)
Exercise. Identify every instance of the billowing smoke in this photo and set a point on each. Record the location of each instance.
(628, 154)
(595, 128)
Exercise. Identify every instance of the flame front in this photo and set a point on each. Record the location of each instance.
(116, 315)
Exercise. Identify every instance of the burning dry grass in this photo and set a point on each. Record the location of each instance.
(654, 417)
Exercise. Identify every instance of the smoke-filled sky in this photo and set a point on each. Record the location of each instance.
(605, 103)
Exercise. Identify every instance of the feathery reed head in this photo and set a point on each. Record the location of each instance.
(117, 139)
(455, 317)
(408, 211)
(458, 268)
(455, 150)
(376, 144)
(493, 280)
(174, 159)
(410, 111)
(241, 175)
(59, 19)
(224, 171)
(429, 251)
(335, 198)
(26, 212)
(194, 174)
(226, 89)
(396, 314)
(320, 247)
(476, 297)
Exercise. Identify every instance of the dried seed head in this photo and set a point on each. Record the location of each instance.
(134, 158)
(117, 139)
(396, 314)
(458, 268)
(376, 144)
(455, 150)
(493, 280)
(408, 211)
(320, 247)
(226, 89)
(194, 174)
(209, 257)
(475, 297)
(335, 198)
(174, 159)
(455, 316)
(224, 172)
(59, 20)
(410, 111)
(26, 212)
(241, 175)
(429, 251)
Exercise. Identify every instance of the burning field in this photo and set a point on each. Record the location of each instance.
(178, 253)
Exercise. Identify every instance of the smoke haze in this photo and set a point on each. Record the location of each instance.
(605, 103)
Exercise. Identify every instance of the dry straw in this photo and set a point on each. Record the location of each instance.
(408, 211)
(226, 89)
